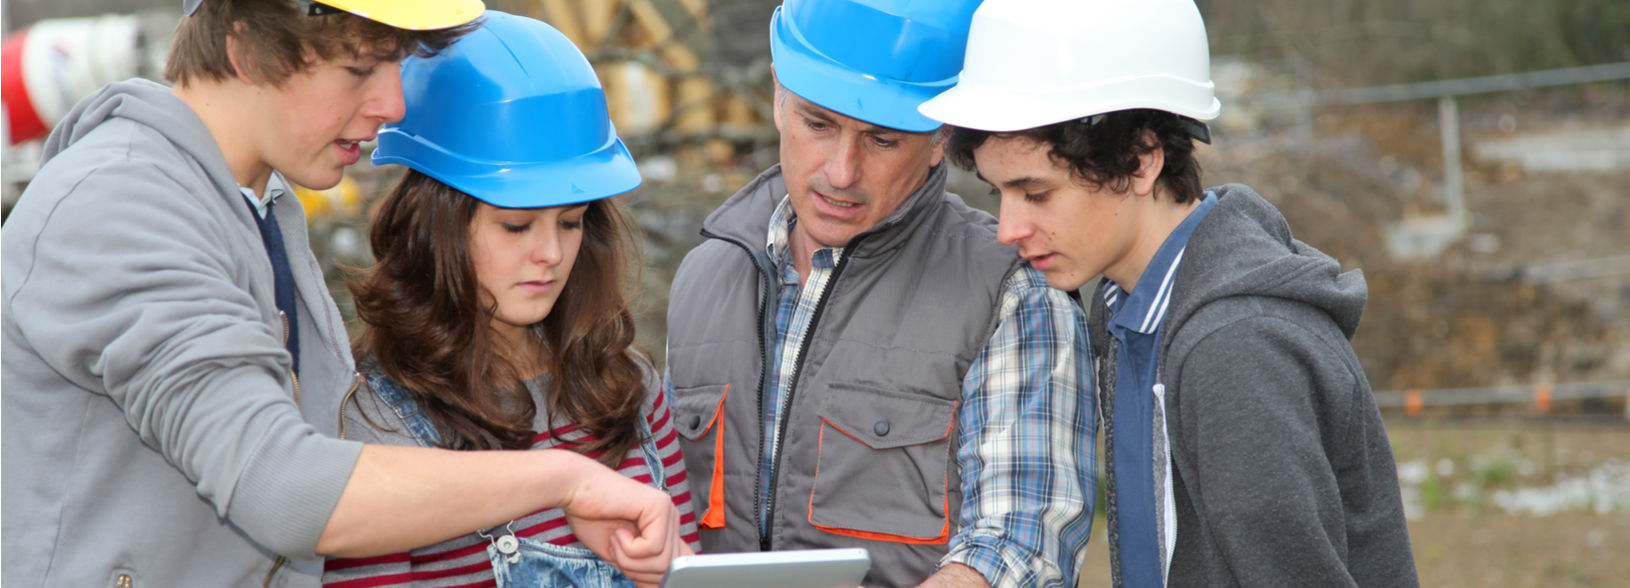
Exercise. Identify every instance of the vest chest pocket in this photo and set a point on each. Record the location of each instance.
(699, 418)
(882, 466)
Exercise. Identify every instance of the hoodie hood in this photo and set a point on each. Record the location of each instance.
(1243, 247)
(150, 104)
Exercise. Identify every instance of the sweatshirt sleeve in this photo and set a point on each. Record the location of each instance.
(132, 291)
(1257, 399)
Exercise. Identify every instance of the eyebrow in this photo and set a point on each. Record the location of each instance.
(809, 110)
(812, 110)
(1020, 182)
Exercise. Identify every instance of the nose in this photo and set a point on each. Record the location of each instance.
(386, 102)
(548, 250)
(1011, 226)
(842, 167)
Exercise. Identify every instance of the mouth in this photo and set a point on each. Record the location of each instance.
(1042, 261)
(537, 286)
(837, 209)
(351, 149)
(835, 202)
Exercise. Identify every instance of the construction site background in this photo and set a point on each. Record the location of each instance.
(1496, 335)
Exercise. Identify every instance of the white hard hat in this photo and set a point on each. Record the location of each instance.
(1032, 63)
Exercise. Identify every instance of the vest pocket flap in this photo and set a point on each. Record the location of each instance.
(696, 409)
(883, 420)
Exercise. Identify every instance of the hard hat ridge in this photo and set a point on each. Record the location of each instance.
(1032, 63)
(511, 114)
(873, 60)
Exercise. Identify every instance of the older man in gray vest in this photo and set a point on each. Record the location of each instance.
(854, 360)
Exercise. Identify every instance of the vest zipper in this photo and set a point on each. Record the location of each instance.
(797, 369)
(124, 581)
(771, 291)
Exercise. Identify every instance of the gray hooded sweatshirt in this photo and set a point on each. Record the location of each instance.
(1282, 471)
(153, 431)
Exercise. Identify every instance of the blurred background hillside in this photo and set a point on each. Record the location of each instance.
(1472, 157)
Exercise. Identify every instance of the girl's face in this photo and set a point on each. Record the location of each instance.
(523, 257)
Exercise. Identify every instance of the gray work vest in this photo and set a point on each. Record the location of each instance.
(868, 452)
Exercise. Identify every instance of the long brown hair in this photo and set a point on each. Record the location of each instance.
(424, 322)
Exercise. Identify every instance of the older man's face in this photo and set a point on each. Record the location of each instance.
(845, 175)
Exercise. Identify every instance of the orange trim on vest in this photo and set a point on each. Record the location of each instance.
(714, 518)
(945, 530)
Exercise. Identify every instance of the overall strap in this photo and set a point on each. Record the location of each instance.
(412, 415)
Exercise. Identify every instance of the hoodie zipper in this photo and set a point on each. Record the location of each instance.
(285, 318)
(356, 382)
(277, 565)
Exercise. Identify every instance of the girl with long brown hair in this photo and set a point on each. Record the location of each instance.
(497, 314)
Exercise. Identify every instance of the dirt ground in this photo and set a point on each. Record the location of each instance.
(1457, 546)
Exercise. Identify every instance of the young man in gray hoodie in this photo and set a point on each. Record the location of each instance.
(174, 366)
(1243, 444)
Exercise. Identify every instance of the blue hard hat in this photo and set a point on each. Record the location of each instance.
(512, 114)
(874, 60)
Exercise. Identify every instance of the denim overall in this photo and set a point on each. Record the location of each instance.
(519, 562)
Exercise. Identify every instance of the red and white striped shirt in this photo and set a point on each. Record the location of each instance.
(462, 562)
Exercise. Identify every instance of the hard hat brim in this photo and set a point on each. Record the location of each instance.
(607, 172)
(1000, 110)
(415, 15)
(805, 72)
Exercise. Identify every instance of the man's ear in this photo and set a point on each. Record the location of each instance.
(238, 70)
(1150, 164)
(777, 100)
(938, 139)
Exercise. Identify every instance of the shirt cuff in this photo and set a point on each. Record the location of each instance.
(996, 559)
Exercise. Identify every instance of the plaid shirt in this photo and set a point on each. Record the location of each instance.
(1025, 426)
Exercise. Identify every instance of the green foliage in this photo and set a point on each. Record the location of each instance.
(1495, 472)
(1434, 493)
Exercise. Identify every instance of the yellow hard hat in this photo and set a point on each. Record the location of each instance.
(416, 15)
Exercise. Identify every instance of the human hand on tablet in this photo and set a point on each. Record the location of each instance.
(630, 525)
(646, 572)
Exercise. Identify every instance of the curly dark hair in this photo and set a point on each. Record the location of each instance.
(424, 323)
(1104, 152)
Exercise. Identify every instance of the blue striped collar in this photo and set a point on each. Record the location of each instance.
(1143, 310)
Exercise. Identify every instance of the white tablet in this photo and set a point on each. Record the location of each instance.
(802, 568)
